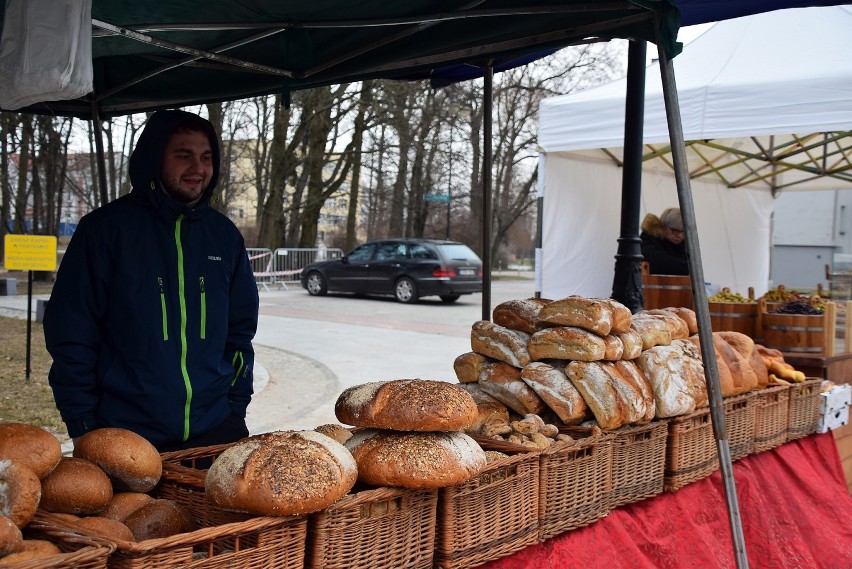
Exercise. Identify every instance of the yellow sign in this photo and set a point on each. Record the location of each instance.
(30, 252)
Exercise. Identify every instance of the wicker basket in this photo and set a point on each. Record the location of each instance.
(491, 515)
(638, 462)
(770, 417)
(739, 419)
(379, 527)
(803, 417)
(575, 482)
(691, 453)
(78, 551)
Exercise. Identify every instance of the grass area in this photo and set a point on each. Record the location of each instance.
(22, 400)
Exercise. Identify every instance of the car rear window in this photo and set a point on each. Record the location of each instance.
(458, 252)
(418, 251)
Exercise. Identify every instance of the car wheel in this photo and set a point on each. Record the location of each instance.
(449, 298)
(316, 284)
(405, 290)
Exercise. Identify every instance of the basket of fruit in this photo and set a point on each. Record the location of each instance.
(731, 311)
(802, 326)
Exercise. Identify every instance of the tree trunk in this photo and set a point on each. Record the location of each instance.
(23, 167)
(273, 224)
(364, 103)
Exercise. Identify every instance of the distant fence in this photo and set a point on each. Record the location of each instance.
(283, 266)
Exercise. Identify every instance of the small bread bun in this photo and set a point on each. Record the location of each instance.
(337, 432)
(407, 405)
(131, 462)
(76, 486)
(10, 536)
(415, 460)
(283, 473)
(20, 492)
(123, 504)
(31, 446)
(106, 527)
(159, 518)
(31, 549)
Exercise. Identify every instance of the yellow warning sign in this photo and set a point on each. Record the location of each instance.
(30, 252)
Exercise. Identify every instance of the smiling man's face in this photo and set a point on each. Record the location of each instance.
(187, 165)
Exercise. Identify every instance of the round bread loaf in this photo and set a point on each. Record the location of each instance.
(20, 492)
(407, 405)
(76, 486)
(415, 460)
(31, 446)
(38, 547)
(106, 527)
(337, 432)
(131, 462)
(10, 536)
(123, 504)
(159, 518)
(282, 473)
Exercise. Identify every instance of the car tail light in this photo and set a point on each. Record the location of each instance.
(443, 272)
(479, 272)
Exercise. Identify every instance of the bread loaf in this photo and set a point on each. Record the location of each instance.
(677, 327)
(599, 393)
(30, 446)
(76, 486)
(521, 315)
(566, 343)
(726, 382)
(20, 492)
(549, 381)
(621, 316)
(688, 316)
(337, 432)
(742, 376)
(159, 518)
(406, 405)
(31, 549)
(10, 536)
(614, 348)
(653, 331)
(631, 342)
(662, 365)
(631, 373)
(589, 314)
(503, 382)
(123, 504)
(282, 473)
(469, 366)
(499, 343)
(415, 460)
(744, 346)
(758, 366)
(488, 408)
(693, 371)
(130, 461)
(106, 527)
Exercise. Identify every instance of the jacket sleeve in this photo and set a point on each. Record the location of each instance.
(73, 329)
(662, 261)
(242, 325)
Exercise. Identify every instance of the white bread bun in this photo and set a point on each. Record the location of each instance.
(415, 460)
(123, 504)
(76, 486)
(129, 459)
(406, 405)
(10, 536)
(31, 446)
(282, 473)
(20, 492)
(159, 518)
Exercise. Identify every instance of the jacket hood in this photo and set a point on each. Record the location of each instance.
(653, 226)
(146, 162)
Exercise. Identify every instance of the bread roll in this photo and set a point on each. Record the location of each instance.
(406, 405)
(589, 314)
(130, 461)
(337, 432)
(10, 536)
(499, 343)
(621, 316)
(282, 473)
(76, 486)
(38, 548)
(567, 343)
(599, 392)
(632, 344)
(469, 366)
(159, 518)
(549, 381)
(415, 460)
(488, 408)
(123, 504)
(20, 492)
(653, 331)
(31, 446)
(503, 382)
(677, 327)
(688, 316)
(107, 528)
(520, 315)
(662, 365)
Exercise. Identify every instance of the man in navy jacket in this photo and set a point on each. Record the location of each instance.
(154, 308)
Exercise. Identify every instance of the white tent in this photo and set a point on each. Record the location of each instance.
(766, 105)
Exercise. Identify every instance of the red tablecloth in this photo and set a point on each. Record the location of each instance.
(795, 508)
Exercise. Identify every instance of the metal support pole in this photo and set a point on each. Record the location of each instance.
(627, 278)
(539, 222)
(488, 80)
(99, 148)
(702, 311)
(450, 179)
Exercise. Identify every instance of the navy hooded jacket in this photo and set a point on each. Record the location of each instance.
(154, 308)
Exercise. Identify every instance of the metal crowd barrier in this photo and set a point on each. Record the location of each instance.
(282, 267)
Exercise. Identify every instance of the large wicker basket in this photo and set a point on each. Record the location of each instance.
(575, 482)
(378, 527)
(771, 417)
(638, 462)
(739, 419)
(491, 515)
(691, 452)
(803, 416)
(78, 551)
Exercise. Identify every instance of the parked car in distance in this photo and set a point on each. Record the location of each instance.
(408, 269)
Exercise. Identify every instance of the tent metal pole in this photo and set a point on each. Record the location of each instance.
(702, 310)
(539, 223)
(488, 84)
(627, 278)
(99, 149)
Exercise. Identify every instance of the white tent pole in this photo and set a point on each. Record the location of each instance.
(702, 311)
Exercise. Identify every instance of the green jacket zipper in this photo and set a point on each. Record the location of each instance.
(203, 308)
(163, 309)
(182, 298)
(238, 364)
